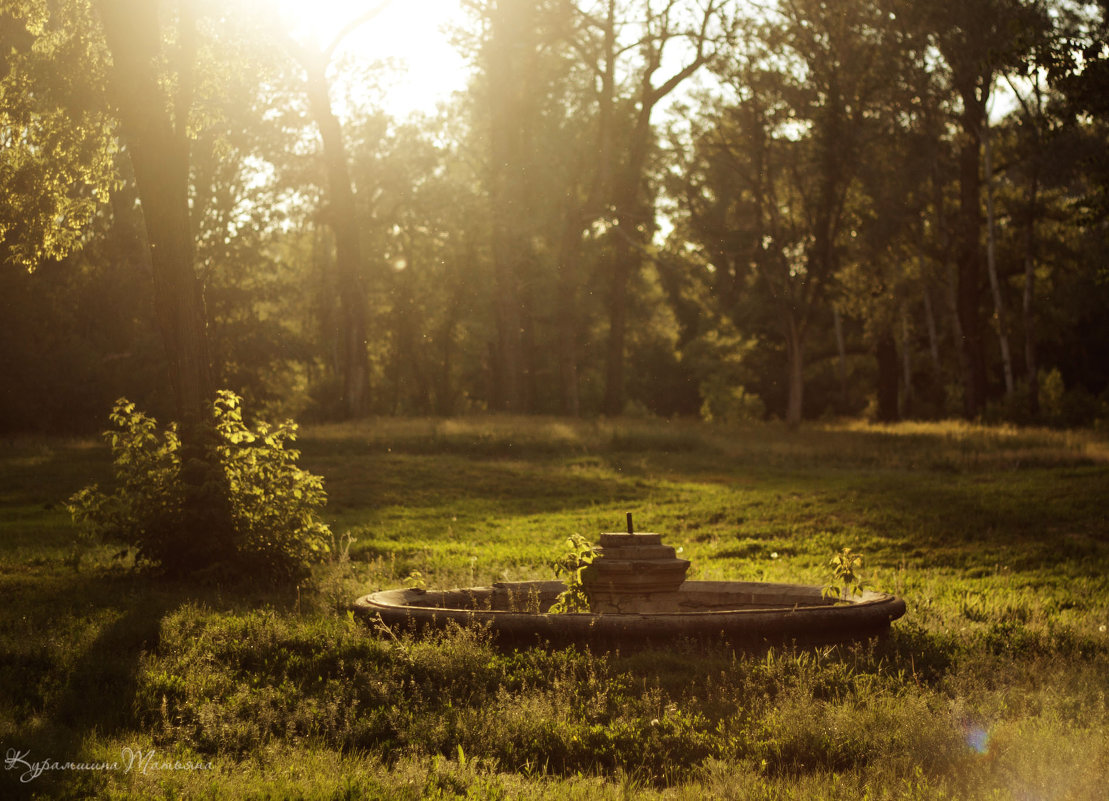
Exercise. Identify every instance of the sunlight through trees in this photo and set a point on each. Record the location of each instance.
(668, 207)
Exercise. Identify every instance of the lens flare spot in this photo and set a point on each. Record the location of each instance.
(978, 739)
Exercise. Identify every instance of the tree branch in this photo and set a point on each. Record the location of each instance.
(353, 25)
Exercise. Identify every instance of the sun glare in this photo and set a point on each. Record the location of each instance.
(409, 33)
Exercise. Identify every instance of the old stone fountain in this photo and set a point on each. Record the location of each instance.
(638, 595)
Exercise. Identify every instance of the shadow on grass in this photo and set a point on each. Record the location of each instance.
(1027, 521)
(71, 662)
(100, 692)
(51, 609)
(1024, 520)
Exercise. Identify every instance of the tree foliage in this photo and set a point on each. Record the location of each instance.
(57, 140)
(655, 206)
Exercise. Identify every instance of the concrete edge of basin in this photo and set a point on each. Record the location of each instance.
(806, 619)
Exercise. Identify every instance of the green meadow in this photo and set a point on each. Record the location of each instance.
(117, 683)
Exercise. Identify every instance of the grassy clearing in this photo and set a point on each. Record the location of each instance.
(994, 686)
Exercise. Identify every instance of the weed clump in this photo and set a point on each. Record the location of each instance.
(846, 580)
(579, 555)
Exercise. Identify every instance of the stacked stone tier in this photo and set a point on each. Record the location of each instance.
(634, 573)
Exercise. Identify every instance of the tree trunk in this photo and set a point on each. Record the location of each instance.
(906, 364)
(529, 348)
(158, 146)
(568, 316)
(159, 150)
(945, 282)
(628, 202)
(511, 33)
(579, 216)
(991, 263)
(508, 392)
(412, 389)
(795, 353)
(444, 389)
(625, 261)
(1034, 114)
(343, 218)
(1031, 368)
(888, 376)
(956, 322)
(622, 256)
(968, 291)
(933, 334)
(841, 363)
(444, 394)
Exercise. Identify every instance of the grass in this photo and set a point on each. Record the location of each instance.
(994, 685)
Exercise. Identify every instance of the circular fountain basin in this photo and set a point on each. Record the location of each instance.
(742, 613)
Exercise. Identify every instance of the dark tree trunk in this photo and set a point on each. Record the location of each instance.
(529, 348)
(444, 393)
(512, 30)
(1029, 318)
(158, 147)
(969, 259)
(620, 272)
(159, 151)
(795, 351)
(625, 262)
(991, 264)
(628, 196)
(580, 215)
(933, 333)
(444, 388)
(841, 358)
(889, 377)
(412, 389)
(508, 352)
(906, 364)
(343, 217)
(568, 317)
(1034, 114)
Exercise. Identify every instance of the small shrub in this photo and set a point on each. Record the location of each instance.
(728, 403)
(239, 503)
(1052, 391)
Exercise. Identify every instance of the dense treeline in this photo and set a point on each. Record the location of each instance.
(679, 207)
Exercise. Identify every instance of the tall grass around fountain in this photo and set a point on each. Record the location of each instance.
(993, 686)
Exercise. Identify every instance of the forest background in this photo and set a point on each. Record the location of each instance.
(730, 210)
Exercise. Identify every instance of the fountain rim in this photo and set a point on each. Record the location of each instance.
(388, 599)
(865, 616)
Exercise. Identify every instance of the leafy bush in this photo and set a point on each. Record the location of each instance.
(237, 502)
(729, 403)
(1059, 406)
